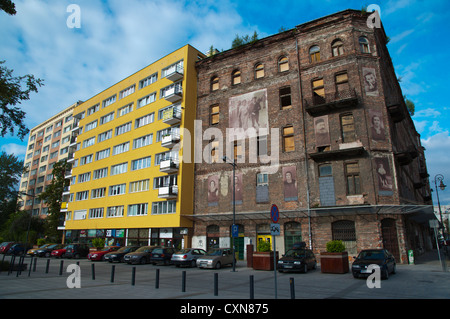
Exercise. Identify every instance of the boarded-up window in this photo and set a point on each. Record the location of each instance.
(348, 128)
(288, 139)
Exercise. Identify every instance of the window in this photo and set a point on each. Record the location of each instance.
(259, 71)
(314, 54)
(84, 195)
(166, 207)
(288, 139)
(109, 101)
(85, 177)
(214, 114)
(262, 179)
(121, 148)
(89, 142)
(352, 176)
(117, 190)
(325, 170)
(114, 211)
(146, 100)
(102, 154)
(147, 119)
(344, 230)
(364, 45)
(143, 141)
(137, 209)
(141, 163)
(139, 186)
(101, 173)
(107, 118)
(125, 110)
(348, 128)
(90, 126)
(123, 128)
(261, 145)
(119, 169)
(163, 181)
(337, 48)
(98, 193)
(283, 64)
(341, 80)
(126, 92)
(236, 77)
(318, 88)
(176, 67)
(96, 213)
(237, 150)
(214, 83)
(149, 80)
(86, 159)
(215, 152)
(104, 136)
(285, 98)
(92, 109)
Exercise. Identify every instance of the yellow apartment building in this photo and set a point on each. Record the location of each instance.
(128, 182)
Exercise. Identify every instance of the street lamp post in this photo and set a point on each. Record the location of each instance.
(439, 178)
(225, 159)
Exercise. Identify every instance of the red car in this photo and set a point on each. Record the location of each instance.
(98, 255)
(4, 247)
(59, 253)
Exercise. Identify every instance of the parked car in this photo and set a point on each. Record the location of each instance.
(216, 258)
(142, 255)
(163, 255)
(59, 253)
(100, 254)
(47, 251)
(77, 251)
(120, 253)
(32, 250)
(187, 257)
(4, 247)
(381, 257)
(297, 259)
(17, 249)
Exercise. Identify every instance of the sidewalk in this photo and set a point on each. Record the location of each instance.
(430, 259)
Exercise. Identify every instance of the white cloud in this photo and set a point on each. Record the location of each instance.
(429, 112)
(16, 149)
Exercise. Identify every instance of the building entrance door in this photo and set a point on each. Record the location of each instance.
(390, 240)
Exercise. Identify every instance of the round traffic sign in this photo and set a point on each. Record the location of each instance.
(274, 213)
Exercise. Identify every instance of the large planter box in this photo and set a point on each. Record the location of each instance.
(335, 263)
(264, 260)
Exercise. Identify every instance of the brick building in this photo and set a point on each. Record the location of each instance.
(326, 137)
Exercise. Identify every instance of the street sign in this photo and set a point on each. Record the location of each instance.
(275, 229)
(274, 213)
(235, 231)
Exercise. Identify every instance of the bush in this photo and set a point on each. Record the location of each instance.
(335, 246)
(263, 246)
(98, 242)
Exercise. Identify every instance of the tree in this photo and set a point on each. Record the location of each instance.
(11, 94)
(8, 6)
(53, 197)
(238, 40)
(10, 172)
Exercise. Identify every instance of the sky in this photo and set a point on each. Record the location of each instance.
(117, 38)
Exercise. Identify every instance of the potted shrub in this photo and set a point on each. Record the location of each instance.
(263, 258)
(98, 243)
(335, 259)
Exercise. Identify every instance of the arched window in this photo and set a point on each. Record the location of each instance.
(344, 230)
(259, 71)
(236, 77)
(214, 83)
(314, 54)
(364, 45)
(337, 47)
(283, 64)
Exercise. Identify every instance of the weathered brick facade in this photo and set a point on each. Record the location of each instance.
(357, 180)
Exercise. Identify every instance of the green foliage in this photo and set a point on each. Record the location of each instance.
(98, 242)
(238, 41)
(40, 242)
(335, 246)
(263, 246)
(10, 172)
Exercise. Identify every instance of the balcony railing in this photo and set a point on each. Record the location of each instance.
(172, 116)
(170, 140)
(175, 74)
(168, 166)
(323, 104)
(168, 191)
(173, 94)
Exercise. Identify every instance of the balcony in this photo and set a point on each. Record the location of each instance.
(396, 112)
(342, 153)
(175, 74)
(331, 102)
(172, 116)
(64, 207)
(407, 156)
(168, 166)
(170, 140)
(66, 190)
(168, 192)
(173, 94)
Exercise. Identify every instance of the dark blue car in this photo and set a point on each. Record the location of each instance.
(380, 257)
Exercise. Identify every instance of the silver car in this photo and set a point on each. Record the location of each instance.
(187, 257)
(216, 258)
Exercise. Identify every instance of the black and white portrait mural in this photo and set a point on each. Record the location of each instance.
(322, 131)
(370, 81)
(384, 175)
(377, 131)
(249, 110)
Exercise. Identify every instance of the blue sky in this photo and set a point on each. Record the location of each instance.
(118, 38)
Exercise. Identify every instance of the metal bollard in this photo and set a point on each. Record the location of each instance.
(61, 266)
(11, 264)
(34, 265)
(48, 265)
(157, 279)
(183, 281)
(93, 271)
(216, 284)
(133, 276)
(252, 288)
(113, 268)
(31, 264)
(291, 282)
